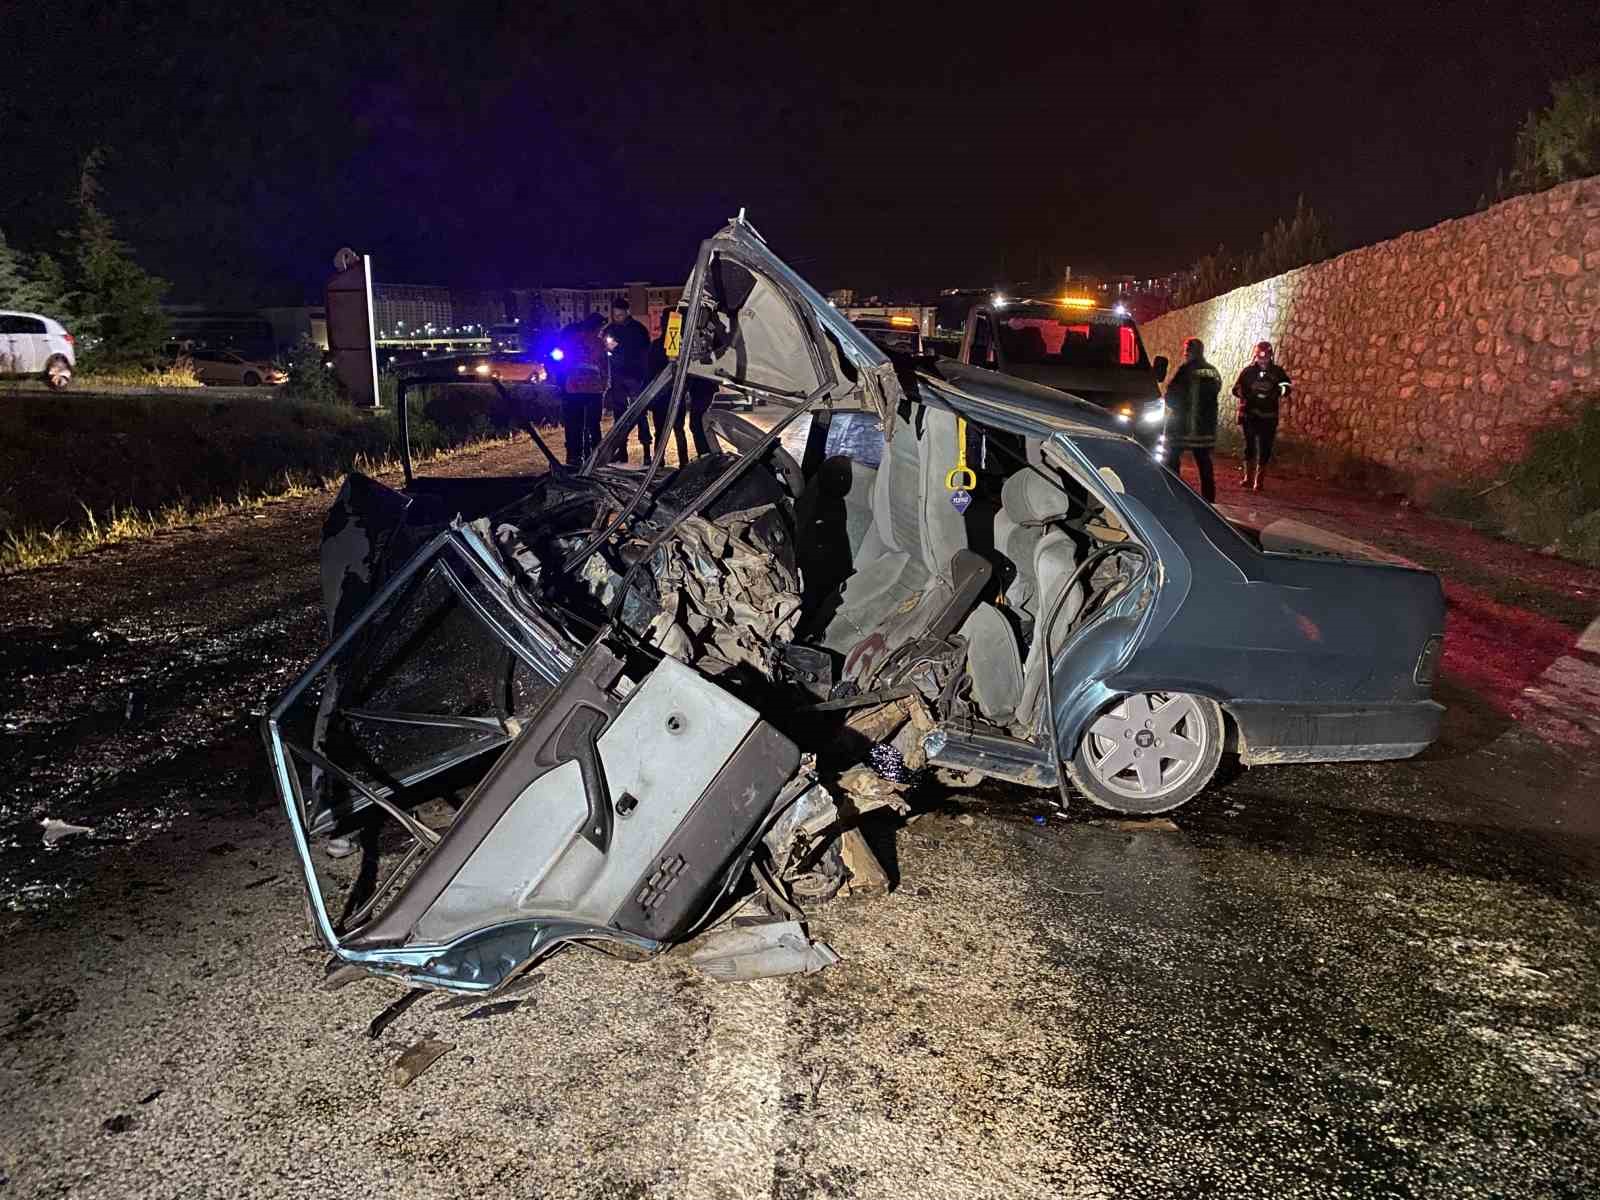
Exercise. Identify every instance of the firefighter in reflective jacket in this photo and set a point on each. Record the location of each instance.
(1260, 388)
(1192, 414)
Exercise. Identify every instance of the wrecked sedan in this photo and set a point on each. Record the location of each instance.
(615, 705)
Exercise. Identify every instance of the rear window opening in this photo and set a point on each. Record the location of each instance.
(1069, 341)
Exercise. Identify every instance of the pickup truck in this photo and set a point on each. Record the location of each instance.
(1075, 346)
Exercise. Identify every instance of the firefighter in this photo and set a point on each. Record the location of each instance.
(1261, 388)
(1192, 414)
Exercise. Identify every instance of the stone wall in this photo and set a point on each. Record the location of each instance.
(1437, 353)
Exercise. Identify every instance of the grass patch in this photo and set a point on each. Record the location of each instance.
(179, 375)
(77, 472)
(1550, 500)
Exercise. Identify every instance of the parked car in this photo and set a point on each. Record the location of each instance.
(229, 368)
(507, 368)
(1076, 346)
(894, 334)
(607, 705)
(33, 346)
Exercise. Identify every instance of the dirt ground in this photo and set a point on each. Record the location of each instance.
(1364, 980)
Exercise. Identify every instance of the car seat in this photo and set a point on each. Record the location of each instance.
(906, 568)
(1005, 686)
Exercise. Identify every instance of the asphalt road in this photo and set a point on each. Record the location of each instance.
(1370, 980)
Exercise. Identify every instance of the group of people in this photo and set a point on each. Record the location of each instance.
(1192, 397)
(600, 365)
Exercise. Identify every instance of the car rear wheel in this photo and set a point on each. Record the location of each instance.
(251, 379)
(58, 373)
(1149, 753)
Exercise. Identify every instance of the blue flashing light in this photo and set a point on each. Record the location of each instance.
(556, 354)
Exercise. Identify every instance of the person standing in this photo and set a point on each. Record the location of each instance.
(1192, 415)
(628, 354)
(658, 407)
(1261, 388)
(582, 373)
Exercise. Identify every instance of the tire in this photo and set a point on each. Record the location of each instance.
(251, 379)
(58, 373)
(1126, 759)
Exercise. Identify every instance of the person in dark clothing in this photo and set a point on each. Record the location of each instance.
(1261, 388)
(627, 358)
(658, 407)
(1192, 415)
(699, 394)
(580, 369)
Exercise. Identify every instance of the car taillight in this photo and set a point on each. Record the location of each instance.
(71, 341)
(1127, 346)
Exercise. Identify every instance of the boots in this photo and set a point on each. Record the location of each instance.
(1255, 482)
(1244, 473)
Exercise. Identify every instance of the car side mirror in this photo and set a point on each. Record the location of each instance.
(1160, 368)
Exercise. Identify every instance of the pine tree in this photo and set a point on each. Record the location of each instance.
(31, 286)
(119, 302)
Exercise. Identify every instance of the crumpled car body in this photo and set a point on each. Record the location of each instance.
(615, 705)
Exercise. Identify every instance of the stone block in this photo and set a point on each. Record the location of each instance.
(1565, 265)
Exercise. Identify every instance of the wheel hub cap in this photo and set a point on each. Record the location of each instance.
(1148, 745)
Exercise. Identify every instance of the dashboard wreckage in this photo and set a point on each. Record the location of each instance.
(619, 705)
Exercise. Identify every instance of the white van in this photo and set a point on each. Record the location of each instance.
(35, 346)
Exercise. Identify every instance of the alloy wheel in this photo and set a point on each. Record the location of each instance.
(1148, 746)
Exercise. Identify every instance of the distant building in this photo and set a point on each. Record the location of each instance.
(244, 331)
(558, 307)
(402, 310)
(292, 324)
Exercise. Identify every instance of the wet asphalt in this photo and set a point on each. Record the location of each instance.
(1368, 980)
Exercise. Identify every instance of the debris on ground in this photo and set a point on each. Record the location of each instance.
(484, 1011)
(745, 952)
(55, 830)
(417, 1059)
(867, 876)
(1150, 825)
(391, 1014)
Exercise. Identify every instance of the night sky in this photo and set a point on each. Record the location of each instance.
(876, 145)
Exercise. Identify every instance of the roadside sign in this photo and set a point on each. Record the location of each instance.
(350, 327)
(674, 338)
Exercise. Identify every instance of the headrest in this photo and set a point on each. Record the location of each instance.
(1029, 496)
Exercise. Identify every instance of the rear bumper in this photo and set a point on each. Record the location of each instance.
(1273, 732)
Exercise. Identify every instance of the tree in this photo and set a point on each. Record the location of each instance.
(1290, 244)
(1211, 275)
(309, 378)
(119, 302)
(1559, 143)
(31, 284)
